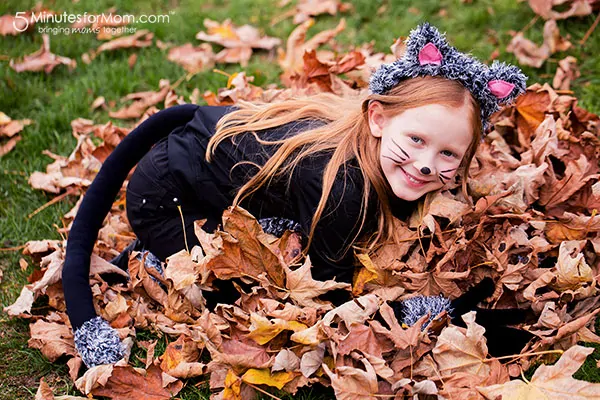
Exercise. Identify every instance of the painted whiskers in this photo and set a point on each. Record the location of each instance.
(407, 157)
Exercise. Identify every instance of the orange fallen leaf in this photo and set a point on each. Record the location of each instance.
(180, 359)
(44, 391)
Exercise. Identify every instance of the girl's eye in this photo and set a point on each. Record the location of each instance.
(449, 153)
(415, 137)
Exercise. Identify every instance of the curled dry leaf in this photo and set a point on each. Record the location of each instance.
(528, 53)
(44, 391)
(180, 359)
(311, 360)
(9, 145)
(262, 330)
(352, 383)
(286, 360)
(9, 127)
(305, 9)
(193, 59)
(42, 60)
(23, 303)
(142, 101)
(291, 60)
(53, 339)
(238, 41)
(566, 72)
(266, 377)
(549, 382)
(141, 38)
(577, 8)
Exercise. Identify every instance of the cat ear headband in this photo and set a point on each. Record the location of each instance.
(428, 53)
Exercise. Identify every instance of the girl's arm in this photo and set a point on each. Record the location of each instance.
(339, 222)
(97, 203)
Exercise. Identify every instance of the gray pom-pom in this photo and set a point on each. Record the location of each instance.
(415, 307)
(98, 343)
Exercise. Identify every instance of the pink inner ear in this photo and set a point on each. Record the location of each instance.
(430, 54)
(500, 88)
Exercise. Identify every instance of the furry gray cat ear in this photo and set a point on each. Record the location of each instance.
(505, 82)
(427, 46)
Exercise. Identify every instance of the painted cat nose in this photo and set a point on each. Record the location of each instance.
(425, 171)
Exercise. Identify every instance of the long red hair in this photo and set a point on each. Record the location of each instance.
(346, 134)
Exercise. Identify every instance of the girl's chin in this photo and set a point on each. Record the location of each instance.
(408, 194)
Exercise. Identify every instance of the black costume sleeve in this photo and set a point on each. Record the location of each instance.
(330, 251)
(97, 203)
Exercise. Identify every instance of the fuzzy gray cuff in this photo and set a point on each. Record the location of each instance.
(415, 307)
(98, 343)
(277, 225)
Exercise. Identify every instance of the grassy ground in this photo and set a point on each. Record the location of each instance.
(54, 100)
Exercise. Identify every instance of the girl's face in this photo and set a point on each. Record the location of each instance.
(421, 148)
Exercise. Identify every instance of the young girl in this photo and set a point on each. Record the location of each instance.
(336, 170)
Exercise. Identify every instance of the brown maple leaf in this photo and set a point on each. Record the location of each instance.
(126, 383)
(304, 290)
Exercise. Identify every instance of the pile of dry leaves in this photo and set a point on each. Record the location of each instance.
(534, 230)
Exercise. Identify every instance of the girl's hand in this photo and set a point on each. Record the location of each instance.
(501, 338)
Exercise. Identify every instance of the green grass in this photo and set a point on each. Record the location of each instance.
(53, 101)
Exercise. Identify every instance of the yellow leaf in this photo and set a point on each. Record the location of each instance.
(232, 387)
(366, 274)
(225, 30)
(231, 78)
(262, 330)
(265, 377)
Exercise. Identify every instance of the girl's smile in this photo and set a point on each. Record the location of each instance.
(412, 181)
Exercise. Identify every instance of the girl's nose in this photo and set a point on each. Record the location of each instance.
(425, 171)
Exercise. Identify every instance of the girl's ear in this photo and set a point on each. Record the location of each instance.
(376, 118)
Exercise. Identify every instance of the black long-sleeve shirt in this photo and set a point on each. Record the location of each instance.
(187, 130)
